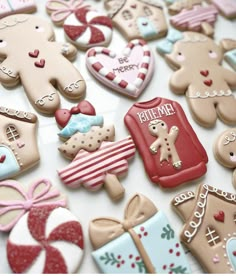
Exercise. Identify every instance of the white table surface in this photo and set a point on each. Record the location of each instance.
(85, 204)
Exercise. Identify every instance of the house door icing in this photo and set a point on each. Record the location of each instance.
(8, 163)
(146, 27)
(231, 252)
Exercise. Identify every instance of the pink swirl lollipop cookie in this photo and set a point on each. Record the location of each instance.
(83, 26)
(127, 73)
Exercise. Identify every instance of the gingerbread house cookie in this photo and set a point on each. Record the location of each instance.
(137, 18)
(209, 230)
(18, 145)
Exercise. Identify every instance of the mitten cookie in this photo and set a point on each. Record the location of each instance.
(144, 242)
(198, 18)
(8, 7)
(165, 138)
(46, 237)
(209, 229)
(128, 73)
(200, 76)
(225, 150)
(83, 26)
(18, 143)
(40, 64)
(101, 167)
(137, 18)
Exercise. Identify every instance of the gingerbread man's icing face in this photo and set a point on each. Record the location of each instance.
(157, 127)
(31, 56)
(195, 49)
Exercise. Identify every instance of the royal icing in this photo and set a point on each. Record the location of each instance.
(16, 6)
(230, 57)
(226, 7)
(128, 73)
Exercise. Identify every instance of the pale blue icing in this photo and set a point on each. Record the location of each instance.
(230, 248)
(170, 1)
(80, 123)
(147, 30)
(10, 166)
(166, 45)
(231, 58)
(158, 242)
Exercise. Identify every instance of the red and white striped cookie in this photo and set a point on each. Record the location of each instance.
(128, 73)
(46, 240)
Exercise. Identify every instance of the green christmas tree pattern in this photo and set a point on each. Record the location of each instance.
(168, 232)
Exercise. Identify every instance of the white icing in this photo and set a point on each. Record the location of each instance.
(91, 14)
(37, 266)
(212, 94)
(72, 86)
(20, 234)
(49, 97)
(8, 72)
(72, 21)
(85, 37)
(72, 254)
(230, 139)
(183, 197)
(17, 113)
(107, 32)
(57, 217)
(15, 20)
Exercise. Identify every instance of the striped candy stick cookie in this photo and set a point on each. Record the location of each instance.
(101, 167)
(128, 73)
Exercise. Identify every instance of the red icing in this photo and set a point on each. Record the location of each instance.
(81, 14)
(102, 20)
(2, 158)
(208, 82)
(34, 54)
(137, 120)
(220, 216)
(22, 257)
(74, 32)
(234, 253)
(134, 6)
(204, 73)
(40, 64)
(63, 116)
(97, 36)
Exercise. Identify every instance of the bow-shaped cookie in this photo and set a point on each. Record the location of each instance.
(61, 9)
(166, 45)
(104, 230)
(15, 201)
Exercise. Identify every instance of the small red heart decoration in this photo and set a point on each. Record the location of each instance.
(204, 73)
(2, 158)
(234, 253)
(220, 216)
(34, 54)
(40, 63)
(133, 6)
(208, 82)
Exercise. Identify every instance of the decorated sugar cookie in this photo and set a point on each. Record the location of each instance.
(128, 73)
(18, 143)
(225, 150)
(226, 7)
(83, 26)
(45, 237)
(209, 229)
(38, 62)
(137, 18)
(8, 7)
(179, 5)
(159, 129)
(200, 76)
(198, 19)
(144, 242)
(229, 46)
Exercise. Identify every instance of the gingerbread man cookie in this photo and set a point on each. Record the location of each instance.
(137, 18)
(82, 24)
(18, 144)
(39, 63)
(165, 141)
(225, 150)
(200, 76)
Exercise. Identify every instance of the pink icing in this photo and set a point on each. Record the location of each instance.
(228, 7)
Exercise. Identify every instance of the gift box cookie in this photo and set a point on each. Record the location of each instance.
(143, 243)
(209, 229)
(18, 143)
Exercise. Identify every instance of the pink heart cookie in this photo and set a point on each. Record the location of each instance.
(128, 73)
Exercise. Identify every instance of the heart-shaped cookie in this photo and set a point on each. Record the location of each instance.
(127, 73)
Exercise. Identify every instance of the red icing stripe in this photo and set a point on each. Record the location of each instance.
(55, 263)
(142, 42)
(110, 76)
(141, 76)
(145, 65)
(130, 45)
(123, 84)
(106, 51)
(147, 53)
(92, 53)
(97, 66)
(81, 15)
(96, 36)
(102, 20)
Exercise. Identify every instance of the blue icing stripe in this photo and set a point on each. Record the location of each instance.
(230, 249)
(80, 123)
(231, 58)
(8, 163)
(158, 238)
(146, 27)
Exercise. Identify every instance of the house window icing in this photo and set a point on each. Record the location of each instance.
(12, 133)
(147, 11)
(212, 236)
(127, 15)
